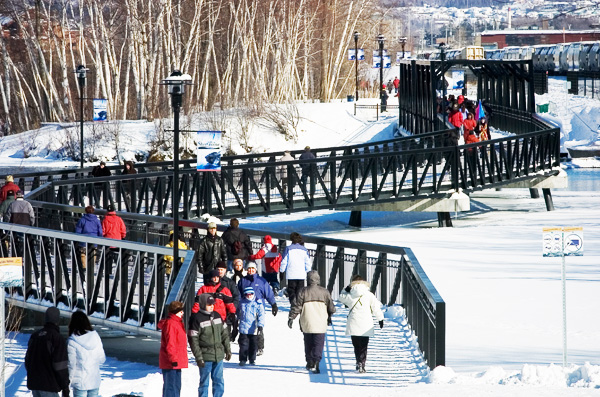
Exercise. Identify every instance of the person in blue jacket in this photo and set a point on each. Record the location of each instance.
(88, 225)
(296, 264)
(252, 319)
(263, 293)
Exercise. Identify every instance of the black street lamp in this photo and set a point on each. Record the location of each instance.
(356, 35)
(176, 83)
(443, 58)
(381, 39)
(81, 75)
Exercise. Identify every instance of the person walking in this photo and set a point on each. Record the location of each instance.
(173, 349)
(315, 307)
(306, 155)
(252, 319)
(263, 294)
(283, 169)
(222, 295)
(238, 271)
(10, 197)
(271, 262)
(129, 185)
(112, 227)
(231, 320)
(20, 212)
(295, 264)
(363, 306)
(210, 251)
(8, 186)
(237, 242)
(47, 360)
(98, 172)
(209, 342)
(169, 258)
(86, 354)
(88, 225)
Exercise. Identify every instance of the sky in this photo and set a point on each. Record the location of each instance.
(504, 324)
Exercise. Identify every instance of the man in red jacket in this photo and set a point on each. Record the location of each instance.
(271, 260)
(223, 297)
(173, 349)
(112, 227)
(9, 185)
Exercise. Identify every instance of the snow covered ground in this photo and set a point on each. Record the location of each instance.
(504, 307)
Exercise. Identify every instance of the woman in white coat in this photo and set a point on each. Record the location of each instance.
(363, 306)
(85, 356)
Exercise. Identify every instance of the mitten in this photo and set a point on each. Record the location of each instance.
(196, 308)
(260, 330)
(227, 356)
(290, 323)
(329, 321)
(200, 363)
(347, 289)
(381, 324)
(274, 309)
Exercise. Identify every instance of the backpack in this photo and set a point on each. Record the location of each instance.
(236, 248)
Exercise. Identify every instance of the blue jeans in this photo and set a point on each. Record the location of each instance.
(85, 393)
(42, 393)
(212, 370)
(171, 382)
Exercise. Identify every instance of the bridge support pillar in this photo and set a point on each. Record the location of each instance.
(548, 199)
(355, 219)
(444, 219)
(534, 193)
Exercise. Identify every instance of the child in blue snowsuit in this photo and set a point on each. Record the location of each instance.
(252, 319)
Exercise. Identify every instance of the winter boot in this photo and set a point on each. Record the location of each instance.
(310, 365)
(259, 352)
(316, 369)
(361, 368)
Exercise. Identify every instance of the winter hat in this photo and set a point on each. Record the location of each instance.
(9, 178)
(110, 208)
(205, 300)
(222, 264)
(212, 225)
(19, 194)
(52, 315)
(175, 307)
(213, 273)
(251, 264)
(267, 239)
(248, 290)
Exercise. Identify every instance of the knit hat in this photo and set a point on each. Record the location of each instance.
(110, 208)
(175, 307)
(248, 290)
(9, 178)
(214, 273)
(251, 264)
(19, 194)
(222, 264)
(205, 300)
(212, 225)
(52, 315)
(267, 239)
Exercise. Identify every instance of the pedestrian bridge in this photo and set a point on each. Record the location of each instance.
(123, 284)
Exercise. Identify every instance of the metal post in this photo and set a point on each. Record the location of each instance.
(564, 302)
(443, 58)
(381, 39)
(2, 338)
(356, 35)
(176, 102)
(81, 75)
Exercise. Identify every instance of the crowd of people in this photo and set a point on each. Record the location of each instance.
(470, 119)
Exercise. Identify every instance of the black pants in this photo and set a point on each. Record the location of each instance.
(293, 287)
(232, 327)
(248, 347)
(360, 343)
(313, 347)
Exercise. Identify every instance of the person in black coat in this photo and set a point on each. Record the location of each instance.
(210, 251)
(306, 155)
(231, 320)
(47, 359)
(233, 235)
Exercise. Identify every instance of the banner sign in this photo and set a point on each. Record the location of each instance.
(100, 109)
(399, 55)
(209, 151)
(352, 56)
(11, 272)
(458, 79)
(562, 241)
(387, 62)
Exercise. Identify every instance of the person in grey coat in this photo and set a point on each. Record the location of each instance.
(20, 212)
(315, 307)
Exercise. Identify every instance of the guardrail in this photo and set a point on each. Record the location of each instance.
(377, 107)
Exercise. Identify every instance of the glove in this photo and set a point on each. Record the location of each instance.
(65, 393)
(290, 323)
(174, 364)
(347, 289)
(260, 330)
(196, 308)
(274, 309)
(329, 321)
(231, 319)
(227, 356)
(200, 363)
(381, 324)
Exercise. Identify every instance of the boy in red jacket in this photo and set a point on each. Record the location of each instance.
(173, 349)
(271, 260)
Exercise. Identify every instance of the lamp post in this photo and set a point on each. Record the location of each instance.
(356, 36)
(381, 39)
(176, 83)
(81, 75)
(442, 72)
